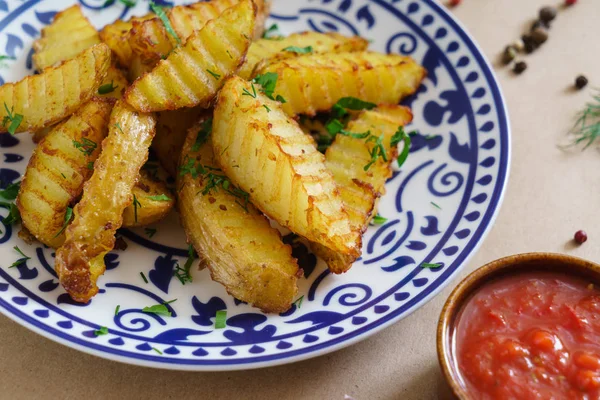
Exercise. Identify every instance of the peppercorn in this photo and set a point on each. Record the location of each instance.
(529, 44)
(520, 67)
(536, 24)
(539, 36)
(570, 2)
(581, 82)
(547, 14)
(580, 237)
(510, 53)
(454, 3)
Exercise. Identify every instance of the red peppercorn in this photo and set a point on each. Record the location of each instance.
(454, 3)
(580, 237)
(570, 2)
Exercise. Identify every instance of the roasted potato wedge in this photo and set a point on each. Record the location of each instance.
(56, 93)
(68, 35)
(265, 153)
(171, 130)
(114, 84)
(116, 36)
(154, 200)
(274, 50)
(347, 157)
(151, 41)
(58, 168)
(236, 241)
(91, 235)
(193, 74)
(315, 82)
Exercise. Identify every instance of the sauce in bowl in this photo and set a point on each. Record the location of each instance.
(530, 336)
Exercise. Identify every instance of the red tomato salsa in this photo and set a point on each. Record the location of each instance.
(531, 336)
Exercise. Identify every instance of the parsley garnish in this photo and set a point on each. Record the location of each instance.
(13, 216)
(90, 165)
(144, 277)
(377, 151)
(273, 29)
(299, 50)
(157, 350)
(267, 108)
(118, 126)
(128, 3)
(11, 191)
(162, 197)
(427, 265)
(4, 58)
(203, 134)
(160, 13)
(268, 82)
(150, 232)
(20, 260)
(68, 215)
(247, 93)
(107, 88)
(221, 319)
(379, 220)
(436, 206)
(86, 146)
(401, 136)
(136, 204)
(14, 120)
(298, 302)
(229, 54)
(353, 103)
(159, 309)
(117, 309)
(102, 331)
(183, 274)
(214, 74)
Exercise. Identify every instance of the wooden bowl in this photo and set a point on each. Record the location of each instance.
(510, 265)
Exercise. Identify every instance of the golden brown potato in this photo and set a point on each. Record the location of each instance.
(44, 99)
(313, 83)
(151, 41)
(171, 130)
(114, 84)
(273, 50)
(360, 189)
(237, 243)
(192, 74)
(68, 35)
(265, 153)
(91, 235)
(154, 202)
(116, 36)
(58, 168)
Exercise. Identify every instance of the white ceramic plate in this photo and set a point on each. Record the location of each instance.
(459, 162)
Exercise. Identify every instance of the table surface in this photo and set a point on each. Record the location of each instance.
(551, 194)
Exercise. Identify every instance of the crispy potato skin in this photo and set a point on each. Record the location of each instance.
(151, 42)
(116, 36)
(68, 35)
(315, 82)
(171, 131)
(272, 50)
(150, 211)
(57, 92)
(192, 74)
(80, 260)
(241, 249)
(360, 189)
(265, 153)
(57, 171)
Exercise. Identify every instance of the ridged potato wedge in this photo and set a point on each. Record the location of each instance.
(58, 168)
(360, 189)
(80, 260)
(266, 154)
(151, 42)
(233, 239)
(56, 93)
(315, 82)
(171, 131)
(192, 74)
(116, 36)
(114, 84)
(68, 35)
(154, 202)
(273, 50)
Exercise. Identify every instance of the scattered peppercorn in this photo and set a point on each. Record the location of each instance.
(547, 14)
(510, 53)
(539, 36)
(454, 3)
(580, 237)
(520, 67)
(570, 2)
(581, 82)
(536, 24)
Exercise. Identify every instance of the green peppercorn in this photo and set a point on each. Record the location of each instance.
(581, 82)
(520, 67)
(510, 53)
(539, 36)
(547, 14)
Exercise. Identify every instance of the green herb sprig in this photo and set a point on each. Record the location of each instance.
(203, 134)
(159, 309)
(587, 127)
(183, 274)
(68, 216)
(299, 50)
(21, 260)
(107, 88)
(86, 146)
(12, 120)
(160, 13)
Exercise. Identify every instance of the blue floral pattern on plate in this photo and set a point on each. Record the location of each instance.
(439, 207)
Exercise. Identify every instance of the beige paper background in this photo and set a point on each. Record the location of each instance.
(550, 195)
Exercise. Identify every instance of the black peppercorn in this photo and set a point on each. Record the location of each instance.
(581, 82)
(547, 14)
(520, 67)
(539, 36)
(537, 24)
